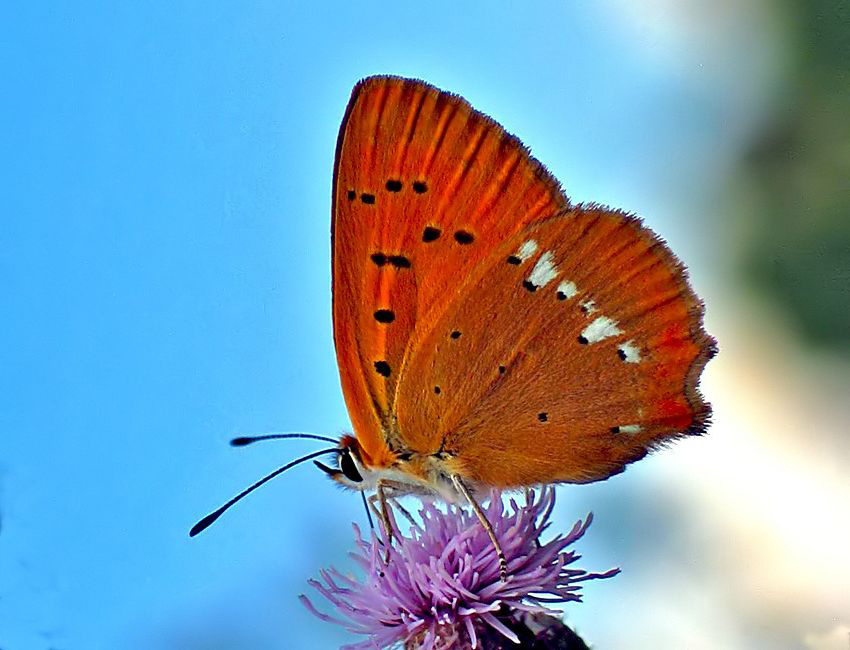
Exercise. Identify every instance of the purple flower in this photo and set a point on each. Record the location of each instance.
(441, 588)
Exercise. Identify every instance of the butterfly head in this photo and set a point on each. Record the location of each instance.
(408, 472)
(353, 471)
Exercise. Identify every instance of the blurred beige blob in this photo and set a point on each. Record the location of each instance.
(838, 638)
(777, 488)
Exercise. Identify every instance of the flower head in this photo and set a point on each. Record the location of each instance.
(441, 588)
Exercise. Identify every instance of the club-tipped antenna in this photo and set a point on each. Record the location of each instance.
(241, 441)
(210, 518)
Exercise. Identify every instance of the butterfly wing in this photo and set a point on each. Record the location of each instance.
(572, 351)
(424, 188)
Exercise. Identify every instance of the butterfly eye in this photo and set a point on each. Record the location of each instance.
(348, 467)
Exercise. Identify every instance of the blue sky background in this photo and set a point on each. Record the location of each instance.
(164, 253)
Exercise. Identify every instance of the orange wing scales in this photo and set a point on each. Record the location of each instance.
(446, 114)
(422, 158)
(562, 364)
(416, 103)
(562, 410)
(449, 192)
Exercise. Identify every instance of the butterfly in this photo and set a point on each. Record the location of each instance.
(490, 334)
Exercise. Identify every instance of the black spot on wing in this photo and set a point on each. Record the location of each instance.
(464, 237)
(384, 316)
(430, 234)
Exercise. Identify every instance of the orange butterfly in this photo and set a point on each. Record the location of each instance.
(488, 333)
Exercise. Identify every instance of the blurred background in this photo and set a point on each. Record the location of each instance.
(164, 262)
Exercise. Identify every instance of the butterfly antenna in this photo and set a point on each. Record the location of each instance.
(210, 518)
(247, 440)
(368, 514)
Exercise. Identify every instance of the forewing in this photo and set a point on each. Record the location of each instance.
(424, 188)
(572, 351)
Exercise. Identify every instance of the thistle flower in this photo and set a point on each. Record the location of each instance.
(441, 588)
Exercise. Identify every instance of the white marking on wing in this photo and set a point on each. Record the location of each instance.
(631, 429)
(567, 288)
(544, 271)
(527, 249)
(600, 329)
(630, 352)
(589, 306)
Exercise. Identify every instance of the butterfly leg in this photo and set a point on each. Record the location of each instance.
(503, 563)
(372, 499)
(403, 511)
(529, 497)
(385, 516)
